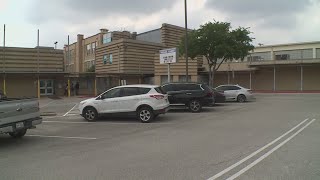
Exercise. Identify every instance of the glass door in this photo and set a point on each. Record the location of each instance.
(46, 87)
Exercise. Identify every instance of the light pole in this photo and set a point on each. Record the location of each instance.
(55, 44)
(186, 39)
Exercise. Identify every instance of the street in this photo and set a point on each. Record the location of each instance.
(274, 137)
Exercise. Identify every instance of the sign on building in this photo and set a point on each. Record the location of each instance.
(168, 56)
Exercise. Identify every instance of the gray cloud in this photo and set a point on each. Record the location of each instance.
(78, 10)
(275, 13)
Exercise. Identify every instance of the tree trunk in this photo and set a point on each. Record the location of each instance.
(210, 76)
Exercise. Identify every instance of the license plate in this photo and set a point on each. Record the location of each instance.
(19, 125)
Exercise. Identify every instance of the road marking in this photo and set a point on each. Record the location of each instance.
(46, 104)
(66, 122)
(269, 152)
(102, 122)
(63, 137)
(70, 110)
(255, 153)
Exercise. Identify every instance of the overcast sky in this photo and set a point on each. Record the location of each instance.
(271, 21)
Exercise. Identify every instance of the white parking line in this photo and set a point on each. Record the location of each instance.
(255, 153)
(67, 122)
(46, 104)
(70, 110)
(63, 137)
(101, 123)
(268, 153)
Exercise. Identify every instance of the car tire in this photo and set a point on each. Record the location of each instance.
(18, 134)
(90, 114)
(195, 106)
(241, 98)
(145, 114)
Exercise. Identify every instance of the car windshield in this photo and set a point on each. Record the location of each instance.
(159, 89)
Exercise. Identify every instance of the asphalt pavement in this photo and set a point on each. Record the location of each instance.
(274, 137)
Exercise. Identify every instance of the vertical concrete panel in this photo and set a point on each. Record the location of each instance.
(157, 80)
(311, 76)
(220, 78)
(262, 79)
(1, 83)
(287, 78)
(21, 86)
(241, 78)
(175, 78)
(194, 78)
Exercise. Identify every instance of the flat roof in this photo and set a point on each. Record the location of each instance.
(289, 44)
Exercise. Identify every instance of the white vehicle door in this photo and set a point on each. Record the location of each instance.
(225, 89)
(129, 98)
(109, 102)
(232, 92)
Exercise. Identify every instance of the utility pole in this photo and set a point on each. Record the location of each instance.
(38, 34)
(4, 60)
(186, 39)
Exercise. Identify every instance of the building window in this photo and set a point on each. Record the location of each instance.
(282, 57)
(105, 59)
(107, 38)
(88, 49)
(110, 59)
(255, 58)
(93, 45)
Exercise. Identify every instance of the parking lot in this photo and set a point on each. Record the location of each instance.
(274, 137)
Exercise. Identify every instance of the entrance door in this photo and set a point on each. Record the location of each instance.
(46, 87)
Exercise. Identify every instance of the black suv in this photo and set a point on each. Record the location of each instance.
(193, 95)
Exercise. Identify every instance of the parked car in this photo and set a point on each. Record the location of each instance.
(192, 95)
(235, 93)
(144, 101)
(219, 97)
(18, 115)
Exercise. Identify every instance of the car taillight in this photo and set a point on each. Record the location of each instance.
(158, 97)
(250, 91)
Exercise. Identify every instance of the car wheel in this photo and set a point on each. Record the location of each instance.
(195, 106)
(241, 98)
(90, 114)
(145, 114)
(18, 134)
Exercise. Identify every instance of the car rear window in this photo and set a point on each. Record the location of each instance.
(206, 87)
(144, 90)
(160, 90)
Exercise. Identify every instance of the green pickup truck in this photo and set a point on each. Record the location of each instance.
(18, 115)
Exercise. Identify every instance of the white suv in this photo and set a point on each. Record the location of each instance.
(235, 93)
(144, 101)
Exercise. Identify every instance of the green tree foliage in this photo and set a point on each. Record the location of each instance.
(218, 43)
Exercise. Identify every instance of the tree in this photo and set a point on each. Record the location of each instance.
(218, 43)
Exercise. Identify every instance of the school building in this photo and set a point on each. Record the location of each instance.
(112, 58)
(31, 72)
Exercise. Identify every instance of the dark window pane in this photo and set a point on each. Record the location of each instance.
(221, 88)
(130, 91)
(206, 87)
(167, 88)
(192, 87)
(112, 93)
(160, 90)
(144, 90)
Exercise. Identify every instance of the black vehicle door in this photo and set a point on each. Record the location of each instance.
(168, 88)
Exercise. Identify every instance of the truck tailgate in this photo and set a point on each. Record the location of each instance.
(18, 110)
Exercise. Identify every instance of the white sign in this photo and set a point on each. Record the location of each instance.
(168, 56)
